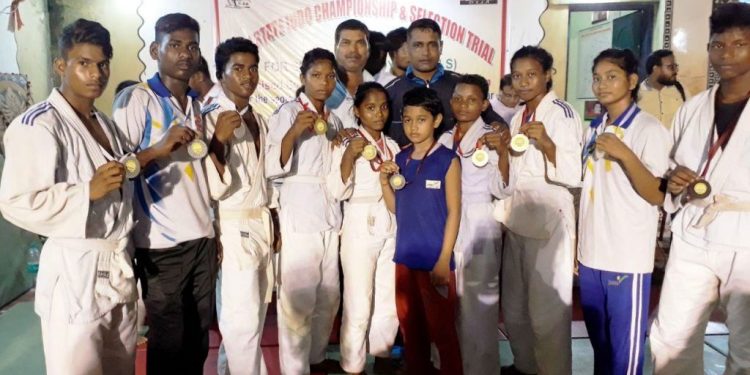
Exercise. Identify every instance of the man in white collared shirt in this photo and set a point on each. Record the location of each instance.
(352, 50)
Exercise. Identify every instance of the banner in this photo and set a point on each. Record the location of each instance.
(472, 31)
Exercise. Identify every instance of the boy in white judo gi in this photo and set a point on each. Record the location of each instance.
(64, 179)
(237, 181)
(709, 190)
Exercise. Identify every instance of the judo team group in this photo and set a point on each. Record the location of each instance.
(417, 190)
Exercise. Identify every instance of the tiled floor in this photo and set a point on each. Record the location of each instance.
(20, 326)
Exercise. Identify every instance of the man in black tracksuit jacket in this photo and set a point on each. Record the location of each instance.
(425, 45)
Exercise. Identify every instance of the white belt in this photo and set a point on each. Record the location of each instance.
(305, 179)
(114, 271)
(365, 200)
(242, 214)
(714, 205)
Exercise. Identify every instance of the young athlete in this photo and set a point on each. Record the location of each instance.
(176, 251)
(367, 235)
(483, 152)
(426, 177)
(538, 256)
(626, 153)
(64, 178)
(300, 152)
(237, 181)
(709, 190)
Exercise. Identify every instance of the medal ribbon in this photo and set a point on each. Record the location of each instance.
(623, 121)
(306, 107)
(457, 137)
(382, 152)
(724, 138)
(419, 167)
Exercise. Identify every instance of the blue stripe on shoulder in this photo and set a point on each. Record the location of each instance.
(31, 114)
(209, 108)
(32, 117)
(566, 108)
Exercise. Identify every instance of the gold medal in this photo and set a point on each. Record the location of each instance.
(519, 143)
(616, 130)
(369, 152)
(397, 181)
(197, 149)
(699, 189)
(132, 167)
(480, 158)
(320, 126)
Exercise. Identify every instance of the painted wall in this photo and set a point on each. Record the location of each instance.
(580, 21)
(556, 20)
(25, 51)
(689, 40)
(555, 23)
(122, 21)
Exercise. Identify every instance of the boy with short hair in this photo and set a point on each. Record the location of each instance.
(175, 248)
(237, 181)
(709, 190)
(64, 179)
(427, 204)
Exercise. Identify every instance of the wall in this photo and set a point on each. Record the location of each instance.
(122, 21)
(555, 23)
(582, 21)
(689, 40)
(21, 52)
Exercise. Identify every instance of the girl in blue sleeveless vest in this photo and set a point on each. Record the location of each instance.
(427, 204)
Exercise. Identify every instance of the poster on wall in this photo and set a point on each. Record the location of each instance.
(284, 31)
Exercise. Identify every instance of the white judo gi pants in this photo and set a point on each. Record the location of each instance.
(369, 319)
(103, 347)
(244, 288)
(537, 299)
(308, 297)
(477, 256)
(696, 281)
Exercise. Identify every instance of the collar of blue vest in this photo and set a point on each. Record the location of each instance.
(439, 73)
(623, 120)
(156, 84)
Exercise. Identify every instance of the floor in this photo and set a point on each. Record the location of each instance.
(20, 326)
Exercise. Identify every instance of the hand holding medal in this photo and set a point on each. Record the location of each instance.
(227, 124)
(684, 179)
(520, 142)
(479, 157)
(304, 122)
(320, 126)
(610, 144)
(499, 140)
(132, 166)
(197, 148)
(241, 129)
(369, 152)
(389, 175)
(354, 149)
